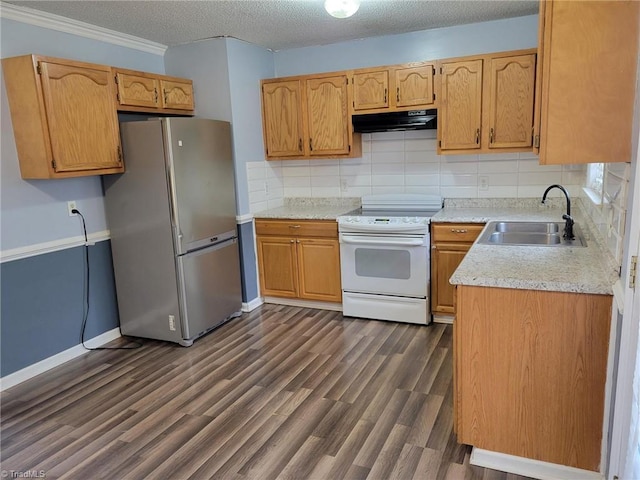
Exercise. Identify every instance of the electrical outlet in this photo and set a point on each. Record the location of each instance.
(172, 323)
(484, 182)
(71, 206)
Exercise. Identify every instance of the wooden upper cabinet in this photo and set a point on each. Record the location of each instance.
(63, 116)
(177, 94)
(460, 111)
(282, 118)
(328, 121)
(153, 93)
(414, 86)
(136, 89)
(511, 101)
(393, 88)
(308, 117)
(589, 55)
(370, 89)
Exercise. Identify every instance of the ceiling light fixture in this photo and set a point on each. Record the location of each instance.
(341, 8)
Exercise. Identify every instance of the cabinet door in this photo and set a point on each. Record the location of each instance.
(445, 258)
(177, 95)
(137, 90)
(511, 101)
(319, 269)
(589, 55)
(277, 265)
(414, 86)
(327, 117)
(460, 107)
(82, 119)
(370, 90)
(282, 119)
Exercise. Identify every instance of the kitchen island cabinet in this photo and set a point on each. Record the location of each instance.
(63, 117)
(299, 259)
(530, 372)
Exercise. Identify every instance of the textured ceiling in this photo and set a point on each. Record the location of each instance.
(277, 24)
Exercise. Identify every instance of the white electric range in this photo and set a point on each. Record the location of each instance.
(384, 257)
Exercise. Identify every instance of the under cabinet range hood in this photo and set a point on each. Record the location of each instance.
(392, 121)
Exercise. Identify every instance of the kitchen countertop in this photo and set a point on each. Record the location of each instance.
(562, 269)
(303, 208)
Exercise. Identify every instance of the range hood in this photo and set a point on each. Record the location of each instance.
(387, 122)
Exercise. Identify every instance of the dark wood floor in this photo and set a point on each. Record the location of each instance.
(282, 392)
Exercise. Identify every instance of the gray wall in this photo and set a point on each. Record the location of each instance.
(42, 295)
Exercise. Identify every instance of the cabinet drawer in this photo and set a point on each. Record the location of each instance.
(297, 228)
(455, 232)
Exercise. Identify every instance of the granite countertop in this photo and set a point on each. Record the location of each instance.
(563, 269)
(311, 208)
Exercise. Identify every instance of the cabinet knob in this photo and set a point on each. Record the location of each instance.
(292, 241)
(459, 230)
(300, 144)
(477, 135)
(491, 135)
(294, 226)
(385, 95)
(310, 145)
(398, 94)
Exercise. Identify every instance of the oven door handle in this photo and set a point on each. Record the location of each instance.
(404, 242)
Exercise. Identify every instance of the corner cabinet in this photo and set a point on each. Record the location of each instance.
(63, 116)
(589, 53)
(299, 259)
(148, 92)
(529, 373)
(308, 117)
(487, 103)
(394, 88)
(449, 244)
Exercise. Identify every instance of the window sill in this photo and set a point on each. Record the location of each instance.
(593, 196)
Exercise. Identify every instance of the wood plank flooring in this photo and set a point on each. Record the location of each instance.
(282, 392)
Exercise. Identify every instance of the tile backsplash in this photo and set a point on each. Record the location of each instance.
(406, 162)
(610, 216)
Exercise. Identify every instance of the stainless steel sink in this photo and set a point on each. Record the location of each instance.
(540, 234)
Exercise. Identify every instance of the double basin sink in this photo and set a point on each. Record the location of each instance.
(535, 234)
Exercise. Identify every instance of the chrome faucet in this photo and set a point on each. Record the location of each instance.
(568, 219)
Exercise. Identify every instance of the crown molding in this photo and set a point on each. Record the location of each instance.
(75, 27)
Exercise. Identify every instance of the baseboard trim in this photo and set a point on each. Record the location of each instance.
(42, 366)
(252, 305)
(293, 302)
(439, 318)
(53, 246)
(529, 468)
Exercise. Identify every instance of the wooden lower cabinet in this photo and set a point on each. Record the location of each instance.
(449, 244)
(304, 263)
(530, 369)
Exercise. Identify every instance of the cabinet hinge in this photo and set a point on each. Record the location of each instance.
(354, 104)
(53, 163)
(440, 70)
(440, 143)
(434, 70)
(39, 69)
(347, 80)
(536, 141)
(434, 97)
(115, 77)
(118, 97)
(349, 148)
(633, 272)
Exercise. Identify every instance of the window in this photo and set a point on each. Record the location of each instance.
(595, 182)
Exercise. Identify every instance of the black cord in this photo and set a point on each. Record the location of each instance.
(85, 307)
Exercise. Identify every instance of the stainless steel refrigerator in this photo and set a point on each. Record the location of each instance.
(172, 218)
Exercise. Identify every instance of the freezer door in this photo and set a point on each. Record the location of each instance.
(201, 180)
(210, 287)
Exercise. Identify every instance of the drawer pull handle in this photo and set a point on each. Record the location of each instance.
(292, 241)
(294, 226)
(459, 230)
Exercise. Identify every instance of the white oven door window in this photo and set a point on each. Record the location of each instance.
(385, 269)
